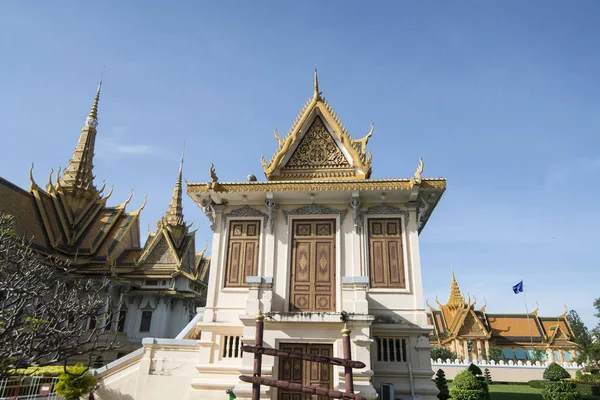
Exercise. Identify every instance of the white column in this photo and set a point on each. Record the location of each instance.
(216, 268)
(414, 257)
(268, 269)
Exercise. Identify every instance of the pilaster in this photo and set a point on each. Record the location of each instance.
(414, 257)
(215, 264)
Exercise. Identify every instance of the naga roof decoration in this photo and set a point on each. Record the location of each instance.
(318, 146)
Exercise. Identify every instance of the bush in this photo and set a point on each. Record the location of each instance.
(442, 384)
(443, 353)
(495, 354)
(588, 389)
(560, 390)
(75, 383)
(537, 384)
(555, 373)
(475, 370)
(51, 370)
(581, 377)
(468, 387)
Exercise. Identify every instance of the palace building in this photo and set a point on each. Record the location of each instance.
(470, 332)
(319, 244)
(162, 282)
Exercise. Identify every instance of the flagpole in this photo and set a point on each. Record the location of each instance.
(528, 322)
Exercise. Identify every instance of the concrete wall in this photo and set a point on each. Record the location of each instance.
(503, 371)
(162, 369)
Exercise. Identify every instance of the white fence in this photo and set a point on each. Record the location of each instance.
(29, 387)
(503, 371)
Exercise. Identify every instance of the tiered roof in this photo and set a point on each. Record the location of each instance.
(458, 318)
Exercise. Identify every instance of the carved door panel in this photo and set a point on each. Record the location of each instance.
(312, 286)
(306, 373)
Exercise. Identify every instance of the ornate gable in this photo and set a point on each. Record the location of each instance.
(318, 146)
(471, 326)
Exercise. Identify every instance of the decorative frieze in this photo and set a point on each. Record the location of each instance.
(245, 211)
(315, 209)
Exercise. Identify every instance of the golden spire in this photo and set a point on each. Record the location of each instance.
(456, 299)
(316, 93)
(78, 174)
(174, 215)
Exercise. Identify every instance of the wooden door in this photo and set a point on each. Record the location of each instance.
(306, 373)
(312, 286)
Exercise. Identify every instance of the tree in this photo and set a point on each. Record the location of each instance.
(443, 354)
(442, 384)
(488, 376)
(588, 343)
(495, 354)
(44, 312)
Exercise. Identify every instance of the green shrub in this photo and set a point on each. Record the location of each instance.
(75, 383)
(537, 384)
(468, 387)
(560, 390)
(581, 377)
(588, 389)
(474, 369)
(443, 354)
(51, 370)
(555, 372)
(442, 384)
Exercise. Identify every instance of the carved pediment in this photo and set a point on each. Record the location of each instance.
(317, 149)
(471, 327)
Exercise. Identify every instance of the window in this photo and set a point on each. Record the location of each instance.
(520, 354)
(386, 261)
(508, 354)
(92, 323)
(391, 349)
(121, 322)
(567, 356)
(242, 252)
(556, 357)
(232, 347)
(146, 321)
(151, 282)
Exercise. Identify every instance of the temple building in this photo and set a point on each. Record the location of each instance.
(162, 282)
(317, 245)
(470, 332)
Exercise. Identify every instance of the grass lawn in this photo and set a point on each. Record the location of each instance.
(521, 392)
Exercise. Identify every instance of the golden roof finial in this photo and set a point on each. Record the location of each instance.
(79, 172)
(316, 93)
(456, 299)
(174, 215)
(92, 118)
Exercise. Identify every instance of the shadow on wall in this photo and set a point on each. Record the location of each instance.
(104, 393)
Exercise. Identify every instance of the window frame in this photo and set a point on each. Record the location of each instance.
(259, 244)
(149, 322)
(403, 240)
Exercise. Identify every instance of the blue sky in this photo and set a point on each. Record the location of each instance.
(501, 98)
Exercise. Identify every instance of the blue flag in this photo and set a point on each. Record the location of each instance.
(518, 288)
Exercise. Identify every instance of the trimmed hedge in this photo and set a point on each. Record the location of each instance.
(468, 387)
(588, 389)
(537, 384)
(50, 370)
(555, 372)
(560, 390)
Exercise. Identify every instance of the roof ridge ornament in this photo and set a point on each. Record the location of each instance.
(316, 93)
(174, 214)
